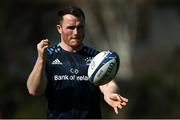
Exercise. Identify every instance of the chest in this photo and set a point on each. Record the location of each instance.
(67, 65)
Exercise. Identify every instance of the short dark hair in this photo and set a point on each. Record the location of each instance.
(73, 10)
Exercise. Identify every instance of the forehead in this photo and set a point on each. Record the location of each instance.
(71, 19)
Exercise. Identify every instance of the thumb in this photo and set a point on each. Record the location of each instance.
(116, 110)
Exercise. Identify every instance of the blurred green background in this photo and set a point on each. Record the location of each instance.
(145, 33)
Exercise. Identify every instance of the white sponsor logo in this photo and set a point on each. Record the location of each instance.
(71, 77)
(74, 71)
(56, 62)
(62, 77)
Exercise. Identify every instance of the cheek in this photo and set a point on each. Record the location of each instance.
(66, 33)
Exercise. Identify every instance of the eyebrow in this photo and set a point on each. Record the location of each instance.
(70, 25)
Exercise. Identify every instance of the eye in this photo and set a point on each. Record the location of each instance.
(71, 27)
(80, 27)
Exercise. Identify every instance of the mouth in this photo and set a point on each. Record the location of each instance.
(75, 37)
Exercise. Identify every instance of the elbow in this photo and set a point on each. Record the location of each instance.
(32, 91)
(35, 89)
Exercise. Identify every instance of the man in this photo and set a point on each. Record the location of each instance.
(68, 91)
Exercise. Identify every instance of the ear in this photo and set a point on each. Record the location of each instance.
(59, 29)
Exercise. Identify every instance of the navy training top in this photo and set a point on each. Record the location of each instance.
(69, 92)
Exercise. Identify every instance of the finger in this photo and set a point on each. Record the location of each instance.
(45, 40)
(118, 97)
(42, 42)
(45, 43)
(120, 107)
(123, 103)
(46, 46)
(115, 97)
(124, 99)
(116, 110)
(42, 46)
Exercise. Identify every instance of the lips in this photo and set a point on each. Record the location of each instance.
(75, 37)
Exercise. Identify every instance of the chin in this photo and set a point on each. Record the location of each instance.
(76, 43)
(76, 46)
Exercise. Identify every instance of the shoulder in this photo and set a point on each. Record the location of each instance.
(53, 49)
(89, 51)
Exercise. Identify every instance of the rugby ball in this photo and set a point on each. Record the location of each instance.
(103, 67)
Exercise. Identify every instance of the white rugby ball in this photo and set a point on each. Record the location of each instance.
(103, 67)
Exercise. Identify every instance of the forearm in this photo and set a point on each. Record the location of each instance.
(35, 82)
(110, 87)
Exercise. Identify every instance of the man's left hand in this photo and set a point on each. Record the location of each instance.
(115, 101)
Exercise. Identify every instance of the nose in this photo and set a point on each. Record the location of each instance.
(75, 31)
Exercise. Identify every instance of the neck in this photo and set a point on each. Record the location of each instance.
(69, 48)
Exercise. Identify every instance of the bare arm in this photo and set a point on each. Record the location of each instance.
(112, 97)
(36, 84)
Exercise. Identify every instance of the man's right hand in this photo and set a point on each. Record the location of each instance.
(41, 46)
(36, 82)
